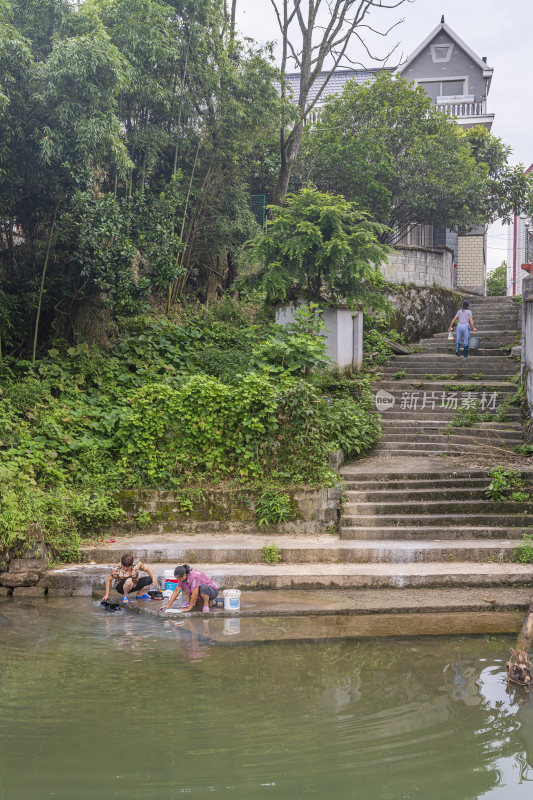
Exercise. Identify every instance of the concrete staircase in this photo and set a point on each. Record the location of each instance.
(429, 388)
(417, 532)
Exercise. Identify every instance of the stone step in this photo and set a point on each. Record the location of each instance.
(426, 520)
(410, 485)
(302, 550)
(422, 448)
(459, 436)
(413, 475)
(502, 334)
(83, 579)
(361, 612)
(450, 358)
(437, 426)
(435, 451)
(487, 350)
(439, 414)
(404, 385)
(421, 369)
(457, 371)
(484, 506)
(434, 533)
(407, 493)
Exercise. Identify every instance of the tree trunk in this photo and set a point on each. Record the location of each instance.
(289, 152)
(232, 270)
(11, 245)
(233, 15)
(519, 666)
(41, 288)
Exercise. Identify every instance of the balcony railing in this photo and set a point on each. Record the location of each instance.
(464, 109)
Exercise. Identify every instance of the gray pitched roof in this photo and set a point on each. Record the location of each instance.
(335, 84)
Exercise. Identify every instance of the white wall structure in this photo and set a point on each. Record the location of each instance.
(343, 336)
(527, 338)
(517, 253)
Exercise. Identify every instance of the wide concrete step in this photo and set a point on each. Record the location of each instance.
(484, 506)
(451, 359)
(387, 494)
(453, 368)
(352, 472)
(501, 334)
(360, 613)
(433, 533)
(410, 485)
(485, 351)
(423, 449)
(458, 436)
(447, 372)
(426, 520)
(438, 413)
(302, 550)
(435, 452)
(86, 578)
(397, 387)
(439, 426)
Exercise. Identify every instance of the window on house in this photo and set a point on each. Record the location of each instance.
(441, 52)
(436, 89)
(452, 88)
(432, 89)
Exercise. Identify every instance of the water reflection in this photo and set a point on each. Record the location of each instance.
(127, 706)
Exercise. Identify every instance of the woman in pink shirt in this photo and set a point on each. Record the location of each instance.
(193, 583)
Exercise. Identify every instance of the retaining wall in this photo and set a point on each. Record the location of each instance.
(421, 266)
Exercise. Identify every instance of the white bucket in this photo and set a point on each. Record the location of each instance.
(169, 582)
(232, 599)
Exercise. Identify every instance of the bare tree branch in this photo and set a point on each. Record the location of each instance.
(346, 22)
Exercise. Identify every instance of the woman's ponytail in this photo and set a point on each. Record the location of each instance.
(182, 572)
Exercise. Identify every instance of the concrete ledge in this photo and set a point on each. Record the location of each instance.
(83, 579)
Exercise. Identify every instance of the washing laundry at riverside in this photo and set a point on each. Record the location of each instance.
(187, 586)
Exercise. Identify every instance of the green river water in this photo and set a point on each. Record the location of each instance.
(102, 706)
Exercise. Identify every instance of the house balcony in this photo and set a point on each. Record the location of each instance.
(466, 110)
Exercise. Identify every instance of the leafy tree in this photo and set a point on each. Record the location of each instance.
(385, 147)
(497, 280)
(509, 189)
(321, 247)
(141, 111)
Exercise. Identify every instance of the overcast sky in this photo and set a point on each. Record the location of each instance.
(502, 32)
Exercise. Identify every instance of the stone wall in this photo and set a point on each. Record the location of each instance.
(471, 263)
(22, 573)
(421, 266)
(421, 312)
(228, 511)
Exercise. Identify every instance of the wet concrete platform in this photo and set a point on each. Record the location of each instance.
(280, 603)
(234, 628)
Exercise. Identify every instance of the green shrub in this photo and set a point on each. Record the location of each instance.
(273, 507)
(523, 554)
(350, 427)
(524, 450)
(170, 406)
(519, 497)
(502, 481)
(271, 553)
